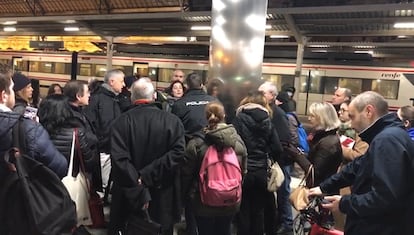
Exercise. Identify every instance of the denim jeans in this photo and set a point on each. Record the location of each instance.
(283, 193)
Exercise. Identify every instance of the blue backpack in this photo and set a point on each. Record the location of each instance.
(302, 136)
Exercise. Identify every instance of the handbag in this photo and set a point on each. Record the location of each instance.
(95, 202)
(299, 196)
(142, 224)
(78, 188)
(275, 176)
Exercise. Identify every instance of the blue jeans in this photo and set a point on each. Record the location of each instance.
(214, 225)
(283, 193)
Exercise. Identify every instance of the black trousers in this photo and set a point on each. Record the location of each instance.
(251, 216)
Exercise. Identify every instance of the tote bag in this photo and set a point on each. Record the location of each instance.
(275, 176)
(78, 189)
(299, 196)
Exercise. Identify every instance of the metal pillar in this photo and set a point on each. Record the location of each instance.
(237, 42)
(109, 52)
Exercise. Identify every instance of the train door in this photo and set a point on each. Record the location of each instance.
(17, 64)
(140, 69)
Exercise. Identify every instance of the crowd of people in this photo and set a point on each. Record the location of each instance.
(145, 148)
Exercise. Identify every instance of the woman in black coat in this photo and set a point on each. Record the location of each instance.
(57, 117)
(253, 124)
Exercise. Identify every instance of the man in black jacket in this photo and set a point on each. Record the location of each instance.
(190, 108)
(102, 110)
(281, 124)
(382, 198)
(147, 147)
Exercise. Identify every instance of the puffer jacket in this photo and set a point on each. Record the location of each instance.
(253, 124)
(224, 136)
(62, 139)
(38, 143)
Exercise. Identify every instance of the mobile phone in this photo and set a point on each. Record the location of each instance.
(30, 113)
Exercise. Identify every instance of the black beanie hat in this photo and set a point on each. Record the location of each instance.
(283, 97)
(20, 81)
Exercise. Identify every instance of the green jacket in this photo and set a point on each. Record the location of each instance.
(223, 136)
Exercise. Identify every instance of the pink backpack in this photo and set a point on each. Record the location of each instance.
(220, 178)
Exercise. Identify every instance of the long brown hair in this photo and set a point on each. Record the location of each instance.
(215, 114)
(257, 97)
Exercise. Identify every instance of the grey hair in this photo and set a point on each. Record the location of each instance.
(326, 115)
(142, 89)
(348, 93)
(371, 98)
(111, 73)
(270, 87)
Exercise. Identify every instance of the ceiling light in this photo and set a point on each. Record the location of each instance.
(404, 25)
(364, 47)
(10, 23)
(402, 36)
(279, 36)
(268, 26)
(71, 29)
(364, 52)
(200, 27)
(9, 29)
(318, 46)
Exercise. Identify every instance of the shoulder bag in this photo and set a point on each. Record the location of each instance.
(299, 196)
(275, 176)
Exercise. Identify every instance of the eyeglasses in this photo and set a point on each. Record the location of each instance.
(343, 110)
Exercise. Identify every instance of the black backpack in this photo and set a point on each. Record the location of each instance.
(33, 199)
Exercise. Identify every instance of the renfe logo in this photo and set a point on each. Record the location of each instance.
(390, 75)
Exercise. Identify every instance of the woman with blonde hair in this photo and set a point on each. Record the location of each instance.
(325, 152)
(211, 220)
(253, 123)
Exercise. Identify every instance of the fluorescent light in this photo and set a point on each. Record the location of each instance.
(10, 22)
(320, 51)
(200, 27)
(364, 47)
(364, 52)
(268, 26)
(9, 29)
(402, 36)
(279, 36)
(318, 46)
(71, 29)
(404, 25)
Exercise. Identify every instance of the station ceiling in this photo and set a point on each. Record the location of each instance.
(325, 26)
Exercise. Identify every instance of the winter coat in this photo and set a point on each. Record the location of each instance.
(190, 109)
(223, 136)
(281, 125)
(62, 139)
(102, 110)
(38, 144)
(253, 124)
(325, 154)
(147, 143)
(20, 105)
(382, 199)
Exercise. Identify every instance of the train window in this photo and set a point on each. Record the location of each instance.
(387, 88)
(153, 73)
(33, 66)
(100, 70)
(315, 84)
(85, 69)
(4, 61)
(60, 68)
(355, 85)
(279, 80)
(46, 67)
